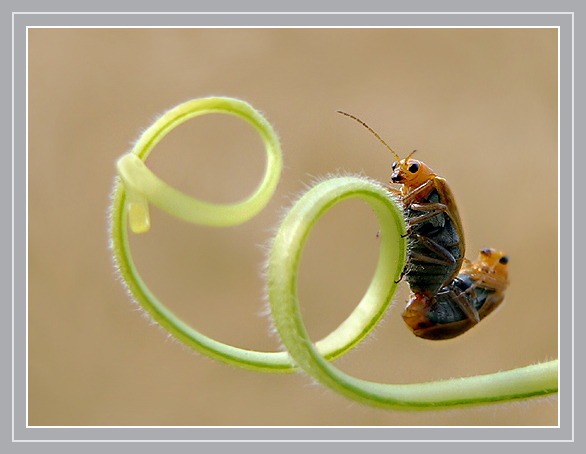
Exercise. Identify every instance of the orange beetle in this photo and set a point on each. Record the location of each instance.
(477, 291)
(435, 237)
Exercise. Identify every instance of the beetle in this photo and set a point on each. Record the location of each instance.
(477, 291)
(435, 236)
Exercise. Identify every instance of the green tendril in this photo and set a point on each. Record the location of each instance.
(137, 186)
(142, 185)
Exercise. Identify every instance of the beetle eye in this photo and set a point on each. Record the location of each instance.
(394, 165)
(414, 167)
(504, 260)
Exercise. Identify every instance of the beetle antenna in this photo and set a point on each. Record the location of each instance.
(407, 158)
(371, 130)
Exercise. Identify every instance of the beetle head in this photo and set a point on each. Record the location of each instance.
(410, 172)
(492, 261)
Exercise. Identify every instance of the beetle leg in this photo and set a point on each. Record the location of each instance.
(427, 259)
(403, 273)
(488, 282)
(427, 206)
(449, 259)
(413, 194)
(391, 189)
(465, 305)
(433, 209)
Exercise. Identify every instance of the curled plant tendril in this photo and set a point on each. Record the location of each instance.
(138, 185)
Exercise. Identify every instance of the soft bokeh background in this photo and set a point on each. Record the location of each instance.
(479, 105)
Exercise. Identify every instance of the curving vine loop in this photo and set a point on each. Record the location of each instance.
(138, 185)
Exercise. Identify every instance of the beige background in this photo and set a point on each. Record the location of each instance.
(479, 105)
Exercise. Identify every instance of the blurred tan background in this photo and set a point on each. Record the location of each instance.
(479, 105)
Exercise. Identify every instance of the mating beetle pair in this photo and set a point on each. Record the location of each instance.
(473, 294)
(450, 293)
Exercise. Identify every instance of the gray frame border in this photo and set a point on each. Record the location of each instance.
(566, 197)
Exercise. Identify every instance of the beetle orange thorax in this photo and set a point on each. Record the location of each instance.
(411, 174)
(493, 261)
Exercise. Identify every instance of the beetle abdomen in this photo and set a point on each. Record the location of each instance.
(444, 309)
(423, 273)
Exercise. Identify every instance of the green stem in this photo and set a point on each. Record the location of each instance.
(138, 186)
(283, 269)
(142, 185)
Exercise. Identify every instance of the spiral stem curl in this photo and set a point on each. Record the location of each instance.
(138, 185)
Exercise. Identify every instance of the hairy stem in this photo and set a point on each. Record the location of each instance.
(138, 186)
